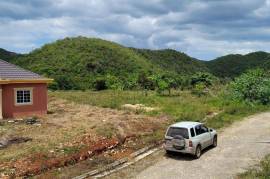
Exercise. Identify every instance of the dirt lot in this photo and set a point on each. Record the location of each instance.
(71, 133)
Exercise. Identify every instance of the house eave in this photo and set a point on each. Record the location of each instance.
(19, 81)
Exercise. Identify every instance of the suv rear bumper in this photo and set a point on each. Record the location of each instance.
(187, 150)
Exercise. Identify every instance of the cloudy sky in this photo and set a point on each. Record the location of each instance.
(203, 29)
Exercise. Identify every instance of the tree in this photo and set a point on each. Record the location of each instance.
(202, 77)
(145, 82)
(112, 82)
(165, 82)
(252, 86)
(201, 81)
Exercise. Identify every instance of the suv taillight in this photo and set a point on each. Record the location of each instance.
(190, 144)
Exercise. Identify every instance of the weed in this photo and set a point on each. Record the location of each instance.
(262, 171)
(107, 131)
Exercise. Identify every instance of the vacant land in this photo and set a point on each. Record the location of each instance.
(70, 130)
(84, 124)
(216, 108)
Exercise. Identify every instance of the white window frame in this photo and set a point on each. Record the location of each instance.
(23, 89)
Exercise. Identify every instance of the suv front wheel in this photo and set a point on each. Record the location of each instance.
(214, 141)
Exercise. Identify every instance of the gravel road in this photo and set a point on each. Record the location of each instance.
(240, 146)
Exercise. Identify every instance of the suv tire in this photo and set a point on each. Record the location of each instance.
(168, 152)
(214, 142)
(178, 142)
(198, 152)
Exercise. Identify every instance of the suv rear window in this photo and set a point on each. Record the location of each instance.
(192, 132)
(173, 131)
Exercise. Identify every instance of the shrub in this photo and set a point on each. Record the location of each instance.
(199, 89)
(100, 84)
(64, 82)
(252, 86)
(202, 77)
(112, 82)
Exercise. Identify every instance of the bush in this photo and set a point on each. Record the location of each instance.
(199, 89)
(202, 77)
(112, 82)
(252, 86)
(100, 84)
(63, 82)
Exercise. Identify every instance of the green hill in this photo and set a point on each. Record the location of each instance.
(233, 65)
(76, 63)
(81, 63)
(6, 55)
(172, 60)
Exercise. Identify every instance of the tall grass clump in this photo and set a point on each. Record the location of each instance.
(263, 171)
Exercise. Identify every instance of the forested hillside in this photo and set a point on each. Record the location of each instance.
(234, 65)
(90, 63)
(173, 60)
(6, 55)
(77, 63)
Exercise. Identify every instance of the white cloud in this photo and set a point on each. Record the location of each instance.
(203, 29)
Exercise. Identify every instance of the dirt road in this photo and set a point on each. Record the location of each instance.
(240, 146)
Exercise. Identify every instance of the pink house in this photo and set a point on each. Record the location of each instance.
(22, 93)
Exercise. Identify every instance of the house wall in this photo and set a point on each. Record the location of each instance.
(39, 106)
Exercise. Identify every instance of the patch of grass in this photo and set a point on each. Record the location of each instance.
(183, 106)
(261, 172)
(180, 106)
(107, 131)
(155, 137)
(234, 112)
(71, 150)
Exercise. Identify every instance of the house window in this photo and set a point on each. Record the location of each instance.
(23, 96)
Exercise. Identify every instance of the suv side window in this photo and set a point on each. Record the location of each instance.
(192, 132)
(203, 129)
(198, 130)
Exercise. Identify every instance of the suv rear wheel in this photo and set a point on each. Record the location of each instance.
(198, 152)
(168, 152)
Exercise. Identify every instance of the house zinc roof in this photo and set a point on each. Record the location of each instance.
(9, 71)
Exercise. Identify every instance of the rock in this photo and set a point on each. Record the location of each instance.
(3, 142)
(6, 141)
(138, 107)
(31, 121)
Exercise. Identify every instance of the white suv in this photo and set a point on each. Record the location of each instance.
(189, 137)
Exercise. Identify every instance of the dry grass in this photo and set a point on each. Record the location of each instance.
(62, 130)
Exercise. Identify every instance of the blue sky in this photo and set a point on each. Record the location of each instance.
(203, 29)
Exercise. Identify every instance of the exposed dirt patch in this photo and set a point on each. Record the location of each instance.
(71, 133)
(40, 162)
